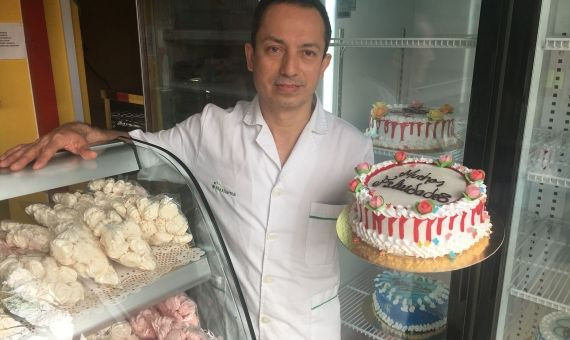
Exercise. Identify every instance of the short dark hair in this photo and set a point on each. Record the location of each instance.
(264, 5)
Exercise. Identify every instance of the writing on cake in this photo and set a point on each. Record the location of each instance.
(411, 189)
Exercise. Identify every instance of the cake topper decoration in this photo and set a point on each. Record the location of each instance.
(444, 161)
(376, 202)
(362, 168)
(446, 109)
(379, 110)
(354, 185)
(435, 114)
(416, 104)
(472, 192)
(400, 156)
(424, 207)
(475, 176)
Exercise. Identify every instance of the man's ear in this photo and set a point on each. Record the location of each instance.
(325, 63)
(249, 55)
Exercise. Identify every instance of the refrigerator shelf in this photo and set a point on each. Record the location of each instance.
(352, 297)
(546, 286)
(557, 44)
(548, 179)
(465, 42)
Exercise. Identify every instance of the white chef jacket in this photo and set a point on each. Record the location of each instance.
(278, 222)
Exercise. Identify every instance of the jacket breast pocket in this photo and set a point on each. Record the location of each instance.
(321, 234)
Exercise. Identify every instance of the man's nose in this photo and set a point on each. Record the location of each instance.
(289, 64)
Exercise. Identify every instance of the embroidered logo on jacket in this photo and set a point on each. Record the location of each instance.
(217, 186)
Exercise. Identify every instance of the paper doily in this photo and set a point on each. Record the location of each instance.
(131, 280)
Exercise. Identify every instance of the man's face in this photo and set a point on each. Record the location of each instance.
(287, 62)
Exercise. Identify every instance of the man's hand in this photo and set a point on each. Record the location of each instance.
(73, 137)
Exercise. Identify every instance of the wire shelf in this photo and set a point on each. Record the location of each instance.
(466, 42)
(543, 276)
(550, 161)
(351, 297)
(557, 44)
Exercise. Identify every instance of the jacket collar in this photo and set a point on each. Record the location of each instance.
(318, 121)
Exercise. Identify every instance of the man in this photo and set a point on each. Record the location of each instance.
(282, 164)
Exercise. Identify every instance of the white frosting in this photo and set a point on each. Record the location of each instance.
(398, 228)
(406, 328)
(399, 130)
(456, 243)
(554, 326)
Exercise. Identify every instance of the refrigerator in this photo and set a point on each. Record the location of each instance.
(500, 63)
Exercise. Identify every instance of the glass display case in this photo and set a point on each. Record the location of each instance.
(537, 271)
(154, 239)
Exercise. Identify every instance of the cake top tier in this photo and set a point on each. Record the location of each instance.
(418, 187)
(415, 108)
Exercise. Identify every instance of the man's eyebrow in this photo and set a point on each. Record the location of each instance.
(282, 42)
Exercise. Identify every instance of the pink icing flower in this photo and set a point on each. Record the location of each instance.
(424, 207)
(472, 191)
(445, 158)
(400, 156)
(476, 175)
(354, 185)
(416, 104)
(376, 202)
(362, 168)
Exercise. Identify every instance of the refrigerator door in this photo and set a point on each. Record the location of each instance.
(536, 280)
(192, 54)
(397, 52)
(90, 244)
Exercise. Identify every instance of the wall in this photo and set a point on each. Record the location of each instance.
(17, 113)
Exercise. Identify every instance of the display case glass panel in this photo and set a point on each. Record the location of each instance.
(133, 241)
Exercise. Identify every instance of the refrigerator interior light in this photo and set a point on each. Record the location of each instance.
(328, 78)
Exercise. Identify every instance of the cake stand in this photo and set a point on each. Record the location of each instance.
(480, 251)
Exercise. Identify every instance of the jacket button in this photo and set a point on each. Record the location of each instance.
(272, 236)
(267, 279)
(276, 192)
(265, 319)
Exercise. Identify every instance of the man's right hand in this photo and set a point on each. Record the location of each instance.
(73, 137)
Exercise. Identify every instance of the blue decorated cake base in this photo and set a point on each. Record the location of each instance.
(554, 326)
(409, 302)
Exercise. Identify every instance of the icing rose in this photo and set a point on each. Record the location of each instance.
(446, 109)
(416, 104)
(379, 110)
(444, 161)
(435, 114)
(376, 202)
(400, 156)
(362, 168)
(476, 175)
(354, 185)
(424, 207)
(472, 191)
